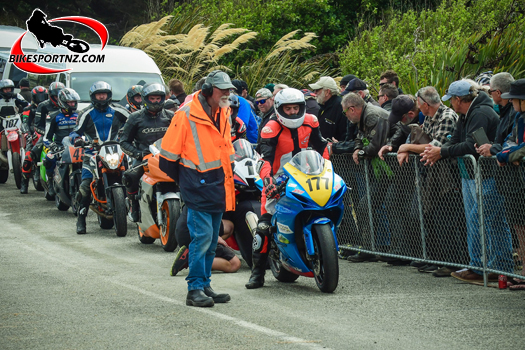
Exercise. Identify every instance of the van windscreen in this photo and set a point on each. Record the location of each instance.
(120, 82)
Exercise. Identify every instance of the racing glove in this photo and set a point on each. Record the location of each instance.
(270, 189)
(79, 142)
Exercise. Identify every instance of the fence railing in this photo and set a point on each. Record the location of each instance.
(459, 212)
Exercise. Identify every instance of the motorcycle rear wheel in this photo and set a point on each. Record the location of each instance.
(4, 175)
(61, 205)
(170, 212)
(326, 268)
(280, 273)
(119, 211)
(17, 169)
(35, 175)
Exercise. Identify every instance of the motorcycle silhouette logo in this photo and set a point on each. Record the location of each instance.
(47, 33)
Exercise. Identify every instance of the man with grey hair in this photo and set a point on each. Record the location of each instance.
(500, 84)
(279, 87)
(372, 124)
(264, 100)
(387, 93)
(331, 119)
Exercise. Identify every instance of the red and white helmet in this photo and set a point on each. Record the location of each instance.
(290, 96)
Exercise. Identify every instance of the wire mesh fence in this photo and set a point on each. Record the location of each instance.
(458, 213)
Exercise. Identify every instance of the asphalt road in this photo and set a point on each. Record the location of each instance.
(59, 290)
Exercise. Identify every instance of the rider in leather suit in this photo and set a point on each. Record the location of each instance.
(142, 129)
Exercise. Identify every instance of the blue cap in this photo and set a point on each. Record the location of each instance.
(457, 88)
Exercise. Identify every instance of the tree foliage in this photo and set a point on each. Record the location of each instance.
(420, 46)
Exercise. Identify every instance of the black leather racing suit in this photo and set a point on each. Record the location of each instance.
(140, 131)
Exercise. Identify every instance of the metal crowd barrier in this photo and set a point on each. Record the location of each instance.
(459, 212)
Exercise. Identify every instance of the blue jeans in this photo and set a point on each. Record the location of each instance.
(497, 234)
(204, 232)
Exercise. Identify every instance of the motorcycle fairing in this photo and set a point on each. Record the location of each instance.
(317, 188)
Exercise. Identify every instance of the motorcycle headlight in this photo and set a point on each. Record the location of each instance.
(12, 136)
(112, 160)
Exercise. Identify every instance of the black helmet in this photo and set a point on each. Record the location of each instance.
(169, 104)
(7, 83)
(53, 91)
(67, 95)
(132, 92)
(155, 89)
(234, 101)
(100, 87)
(39, 95)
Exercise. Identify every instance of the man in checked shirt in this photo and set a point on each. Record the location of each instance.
(441, 198)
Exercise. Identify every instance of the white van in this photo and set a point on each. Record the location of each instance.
(122, 67)
(8, 36)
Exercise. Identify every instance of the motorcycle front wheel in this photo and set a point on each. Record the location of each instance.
(326, 267)
(280, 273)
(119, 211)
(170, 212)
(17, 170)
(4, 175)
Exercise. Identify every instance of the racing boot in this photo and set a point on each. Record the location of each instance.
(181, 260)
(259, 269)
(134, 208)
(83, 197)
(24, 185)
(51, 185)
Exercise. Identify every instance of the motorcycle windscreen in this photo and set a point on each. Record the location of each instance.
(243, 149)
(308, 162)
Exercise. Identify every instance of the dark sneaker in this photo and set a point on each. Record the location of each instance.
(181, 261)
(428, 269)
(467, 275)
(444, 271)
(418, 264)
(363, 257)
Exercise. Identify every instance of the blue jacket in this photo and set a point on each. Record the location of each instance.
(514, 146)
(102, 125)
(248, 117)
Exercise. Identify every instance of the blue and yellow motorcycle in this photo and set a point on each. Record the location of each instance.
(305, 222)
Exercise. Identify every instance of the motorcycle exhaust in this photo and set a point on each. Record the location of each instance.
(104, 215)
(251, 220)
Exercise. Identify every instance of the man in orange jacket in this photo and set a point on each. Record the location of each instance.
(198, 154)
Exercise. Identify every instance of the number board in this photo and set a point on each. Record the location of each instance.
(11, 122)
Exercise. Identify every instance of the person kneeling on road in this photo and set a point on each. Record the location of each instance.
(286, 134)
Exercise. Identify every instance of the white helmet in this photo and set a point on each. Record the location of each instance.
(290, 96)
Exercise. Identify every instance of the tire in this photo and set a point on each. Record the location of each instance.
(17, 170)
(35, 175)
(170, 212)
(326, 268)
(119, 211)
(104, 223)
(61, 205)
(280, 273)
(4, 175)
(144, 239)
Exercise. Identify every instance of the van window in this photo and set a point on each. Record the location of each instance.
(2, 66)
(42, 80)
(16, 74)
(62, 79)
(120, 82)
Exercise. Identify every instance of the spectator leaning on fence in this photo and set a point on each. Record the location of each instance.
(513, 152)
(475, 109)
(387, 93)
(332, 122)
(373, 127)
(500, 84)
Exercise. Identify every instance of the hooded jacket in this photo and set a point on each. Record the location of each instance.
(481, 114)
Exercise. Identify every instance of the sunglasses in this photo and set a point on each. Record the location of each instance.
(422, 99)
(344, 110)
(491, 91)
(261, 102)
(381, 84)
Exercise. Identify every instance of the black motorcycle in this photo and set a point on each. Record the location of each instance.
(67, 176)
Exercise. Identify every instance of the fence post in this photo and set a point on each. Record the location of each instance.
(420, 207)
(481, 217)
(369, 198)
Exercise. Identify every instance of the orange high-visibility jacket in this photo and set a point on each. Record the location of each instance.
(199, 157)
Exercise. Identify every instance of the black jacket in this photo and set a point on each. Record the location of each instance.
(332, 122)
(265, 118)
(373, 126)
(387, 106)
(142, 129)
(506, 122)
(480, 114)
(42, 111)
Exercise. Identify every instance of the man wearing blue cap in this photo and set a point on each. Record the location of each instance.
(476, 111)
